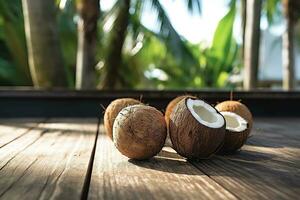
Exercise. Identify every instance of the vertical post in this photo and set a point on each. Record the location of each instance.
(288, 62)
(243, 25)
(251, 46)
(44, 51)
(89, 11)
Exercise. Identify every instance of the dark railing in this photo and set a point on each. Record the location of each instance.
(69, 103)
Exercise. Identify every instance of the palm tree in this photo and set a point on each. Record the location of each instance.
(244, 18)
(115, 45)
(252, 41)
(89, 11)
(111, 75)
(45, 57)
(291, 12)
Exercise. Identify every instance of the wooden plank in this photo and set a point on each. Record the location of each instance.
(279, 135)
(268, 167)
(53, 167)
(15, 128)
(166, 176)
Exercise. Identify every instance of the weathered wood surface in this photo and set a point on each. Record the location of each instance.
(48, 162)
(52, 159)
(12, 129)
(167, 176)
(268, 167)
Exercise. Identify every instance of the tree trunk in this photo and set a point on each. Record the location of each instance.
(288, 60)
(244, 18)
(89, 11)
(113, 59)
(44, 52)
(251, 46)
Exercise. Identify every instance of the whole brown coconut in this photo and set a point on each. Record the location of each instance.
(197, 129)
(113, 110)
(237, 132)
(238, 108)
(139, 132)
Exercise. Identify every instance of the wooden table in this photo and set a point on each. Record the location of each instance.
(73, 159)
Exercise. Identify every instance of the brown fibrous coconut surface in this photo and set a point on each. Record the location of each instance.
(139, 132)
(235, 140)
(189, 137)
(171, 105)
(113, 110)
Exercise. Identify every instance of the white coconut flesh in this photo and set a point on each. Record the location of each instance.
(205, 113)
(235, 122)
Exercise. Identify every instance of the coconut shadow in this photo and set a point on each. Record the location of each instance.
(169, 162)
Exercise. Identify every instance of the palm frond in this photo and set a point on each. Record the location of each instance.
(174, 42)
(194, 6)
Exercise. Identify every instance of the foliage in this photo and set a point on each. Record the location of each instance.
(68, 38)
(156, 60)
(13, 59)
(271, 9)
(218, 60)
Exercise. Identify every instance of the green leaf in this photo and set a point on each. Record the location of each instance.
(175, 43)
(271, 9)
(220, 53)
(9, 74)
(194, 6)
(222, 79)
(14, 37)
(223, 34)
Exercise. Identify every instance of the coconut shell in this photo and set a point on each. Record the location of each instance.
(139, 132)
(237, 108)
(113, 110)
(168, 112)
(189, 137)
(172, 105)
(234, 141)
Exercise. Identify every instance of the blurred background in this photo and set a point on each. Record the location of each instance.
(150, 44)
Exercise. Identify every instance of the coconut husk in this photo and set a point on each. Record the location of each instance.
(189, 137)
(139, 132)
(113, 110)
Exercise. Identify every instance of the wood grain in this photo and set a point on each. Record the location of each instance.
(13, 129)
(51, 160)
(55, 166)
(266, 168)
(167, 176)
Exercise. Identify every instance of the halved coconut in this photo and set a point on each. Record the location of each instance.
(237, 131)
(197, 129)
(172, 104)
(238, 108)
(113, 110)
(139, 131)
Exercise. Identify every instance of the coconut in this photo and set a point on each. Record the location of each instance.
(172, 104)
(239, 122)
(197, 129)
(237, 132)
(113, 110)
(237, 108)
(139, 131)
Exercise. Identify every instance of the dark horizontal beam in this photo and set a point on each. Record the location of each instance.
(69, 103)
